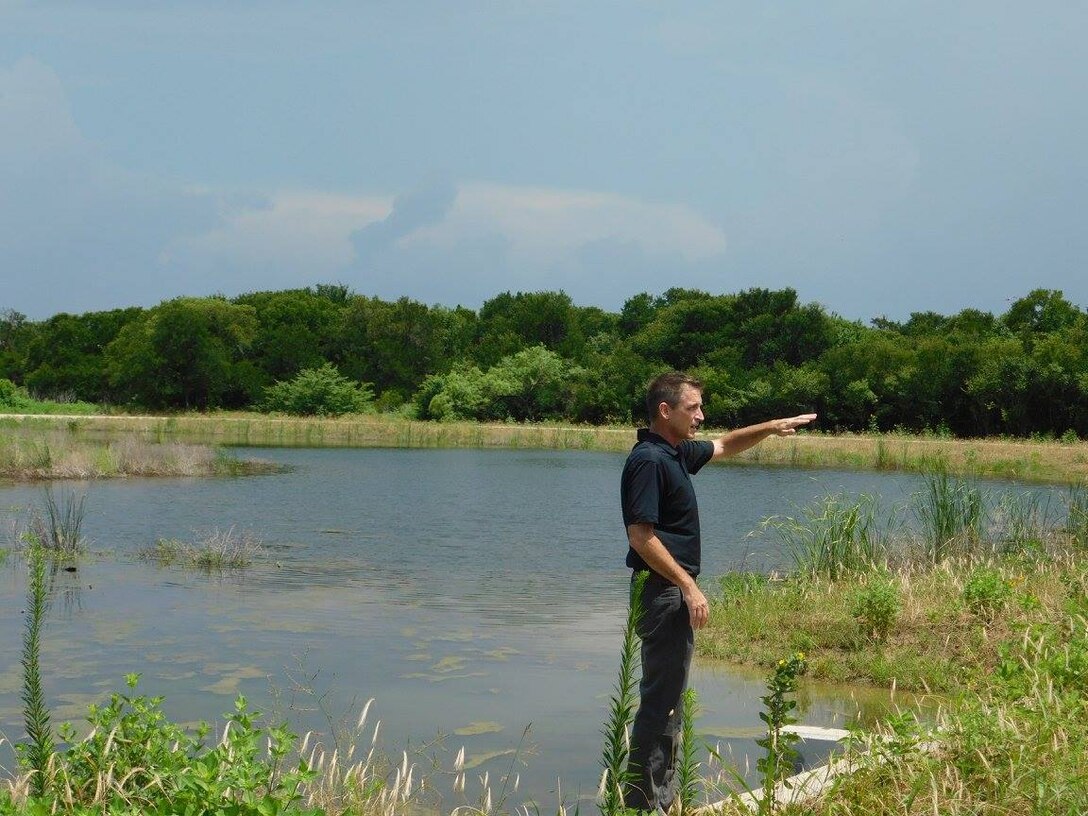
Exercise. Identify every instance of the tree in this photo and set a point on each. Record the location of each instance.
(185, 353)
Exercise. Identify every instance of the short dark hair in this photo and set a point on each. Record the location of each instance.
(667, 388)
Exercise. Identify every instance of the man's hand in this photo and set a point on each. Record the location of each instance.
(789, 426)
(698, 608)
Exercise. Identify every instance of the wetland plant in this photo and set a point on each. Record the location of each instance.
(780, 754)
(687, 767)
(950, 512)
(59, 530)
(217, 550)
(832, 536)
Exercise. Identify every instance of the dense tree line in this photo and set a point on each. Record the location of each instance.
(537, 355)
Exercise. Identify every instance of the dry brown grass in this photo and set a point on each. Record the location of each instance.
(64, 450)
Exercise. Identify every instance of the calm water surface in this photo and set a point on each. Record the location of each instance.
(472, 593)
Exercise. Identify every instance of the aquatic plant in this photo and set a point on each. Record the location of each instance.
(832, 536)
(59, 531)
(779, 752)
(950, 513)
(216, 550)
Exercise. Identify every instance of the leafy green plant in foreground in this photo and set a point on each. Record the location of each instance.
(621, 711)
(36, 754)
(136, 760)
(777, 762)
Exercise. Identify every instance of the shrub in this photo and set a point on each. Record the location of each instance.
(986, 592)
(320, 391)
(12, 397)
(876, 607)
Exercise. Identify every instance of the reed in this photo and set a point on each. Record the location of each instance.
(950, 512)
(835, 535)
(59, 532)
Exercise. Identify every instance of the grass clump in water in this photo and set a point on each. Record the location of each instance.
(217, 550)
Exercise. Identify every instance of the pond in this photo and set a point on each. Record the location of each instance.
(474, 594)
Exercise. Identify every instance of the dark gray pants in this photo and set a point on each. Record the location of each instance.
(667, 645)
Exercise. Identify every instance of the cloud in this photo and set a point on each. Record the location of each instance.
(411, 211)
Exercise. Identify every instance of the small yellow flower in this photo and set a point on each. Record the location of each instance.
(781, 662)
(800, 655)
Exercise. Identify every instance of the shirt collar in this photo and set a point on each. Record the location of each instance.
(646, 435)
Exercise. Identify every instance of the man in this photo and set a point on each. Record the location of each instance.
(662, 521)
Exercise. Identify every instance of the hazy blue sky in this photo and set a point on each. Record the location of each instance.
(880, 158)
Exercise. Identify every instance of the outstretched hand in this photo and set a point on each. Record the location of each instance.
(789, 426)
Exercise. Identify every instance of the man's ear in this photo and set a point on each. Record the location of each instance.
(663, 410)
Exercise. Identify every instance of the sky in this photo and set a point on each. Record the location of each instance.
(879, 158)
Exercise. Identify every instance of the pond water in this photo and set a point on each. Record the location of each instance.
(472, 593)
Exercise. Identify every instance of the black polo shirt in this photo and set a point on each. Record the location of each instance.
(656, 489)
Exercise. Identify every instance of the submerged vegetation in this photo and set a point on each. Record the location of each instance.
(216, 550)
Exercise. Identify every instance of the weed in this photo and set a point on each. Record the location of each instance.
(217, 550)
(36, 754)
(59, 531)
(687, 767)
(777, 763)
(986, 592)
(876, 607)
(621, 711)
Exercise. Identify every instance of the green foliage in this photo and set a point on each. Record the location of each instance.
(186, 352)
(986, 592)
(831, 536)
(531, 385)
(319, 391)
(621, 709)
(761, 352)
(876, 607)
(950, 512)
(12, 397)
(779, 752)
(687, 765)
(136, 760)
(36, 753)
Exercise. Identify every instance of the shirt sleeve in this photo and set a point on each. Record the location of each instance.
(642, 493)
(696, 454)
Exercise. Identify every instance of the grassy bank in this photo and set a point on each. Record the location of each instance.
(62, 451)
(1053, 462)
(984, 605)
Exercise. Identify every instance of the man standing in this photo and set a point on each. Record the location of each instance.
(662, 521)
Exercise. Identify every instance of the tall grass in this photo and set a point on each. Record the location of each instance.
(950, 513)
(60, 530)
(834, 535)
(1076, 504)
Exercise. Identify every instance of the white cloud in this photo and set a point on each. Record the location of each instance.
(308, 231)
(543, 226)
